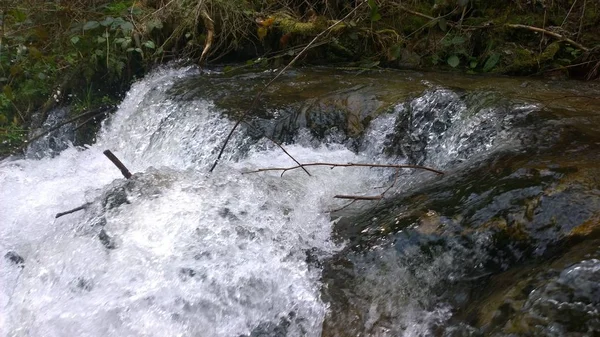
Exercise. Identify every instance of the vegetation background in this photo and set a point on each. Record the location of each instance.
(85, 53)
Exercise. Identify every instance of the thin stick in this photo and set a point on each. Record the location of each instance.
(281, 147)
(414, 12)
(58, 215)
(359, 197)
(394, 183)
(118, 164)
(82, 124)
(343, 207)
(581, 20)
(261, 92)
(379, 197)
(568, 13)
(547, 32)
(333, 165)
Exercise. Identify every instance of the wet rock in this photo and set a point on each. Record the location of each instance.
(479, 240)
(446, 127)
(147, 185)
(557, 299)
(15, 259)
(313, 257)
(82, 284)
(271, 329)
(462, 330)
(54, 142)
(186, 273)
(227, 214)
(107, 241)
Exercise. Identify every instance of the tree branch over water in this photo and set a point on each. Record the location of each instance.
(124, 171)
(334, 165)
(354, 198)
(262, 91)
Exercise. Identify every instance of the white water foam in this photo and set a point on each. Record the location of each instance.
(190, 253)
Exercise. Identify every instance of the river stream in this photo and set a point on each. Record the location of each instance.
(179, 251)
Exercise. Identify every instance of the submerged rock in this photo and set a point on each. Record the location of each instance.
(54, 142)
(560, 298)
(15, 259)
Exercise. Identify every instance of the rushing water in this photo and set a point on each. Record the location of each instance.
(191, 253)
(177, 251)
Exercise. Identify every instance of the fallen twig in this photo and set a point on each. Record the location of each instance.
(282, 149)
(359, 197)
(547, 32)
(262, 91)
(354, 198)
(118, 164)
(378, 198)
(425, 16)
(333, 165)
(58, 215)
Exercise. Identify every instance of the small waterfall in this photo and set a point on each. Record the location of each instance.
(443, 127)
(176, 251)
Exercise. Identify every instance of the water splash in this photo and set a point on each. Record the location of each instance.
(174, 251)
(442, 127)
(179, 252)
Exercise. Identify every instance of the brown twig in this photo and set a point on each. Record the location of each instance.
(568, 13)
(379, 197)
(262, 91)
(58, 215)
(82, 124)
(414, 12)
(118, 163)
(282, 148)
(547, 32)
(333, 165)
(354, 198)
(359, 197)
(344, 207)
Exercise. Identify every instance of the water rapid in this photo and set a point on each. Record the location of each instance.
(175, 251)
(179, 251)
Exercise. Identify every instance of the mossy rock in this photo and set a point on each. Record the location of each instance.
(536, 299)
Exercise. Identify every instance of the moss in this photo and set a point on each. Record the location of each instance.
(290, 25)
(587, 228)
(549, 52)
(519, 60)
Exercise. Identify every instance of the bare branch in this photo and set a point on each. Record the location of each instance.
(344, 207)
(547, 32)
(359, 197)
(118, 163)
(282, 149)
(354, 198)
(333, 165)
(58, 215)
